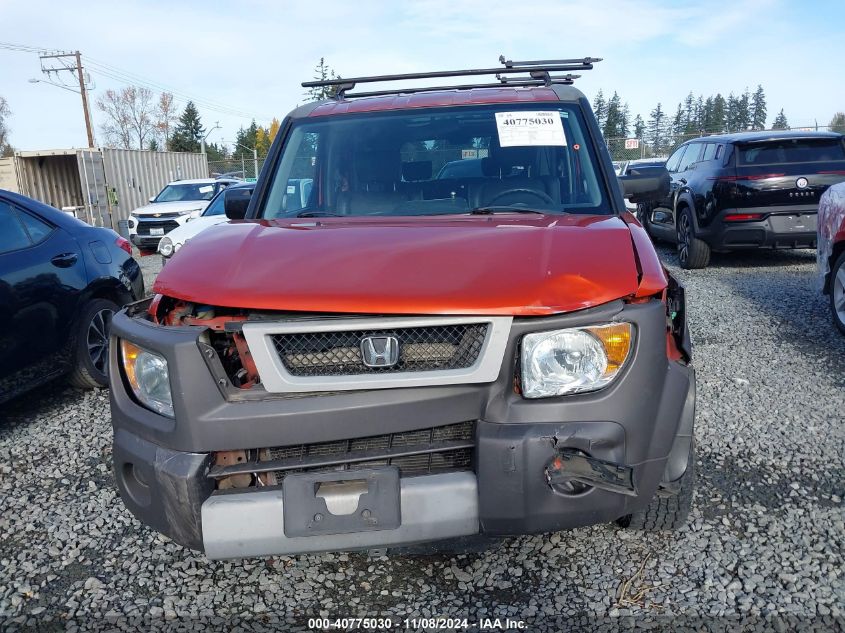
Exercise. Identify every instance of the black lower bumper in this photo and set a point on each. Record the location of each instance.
(146, 241)
(777, 228)
(643, 423)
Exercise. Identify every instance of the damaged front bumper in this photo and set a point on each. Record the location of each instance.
(531, 466)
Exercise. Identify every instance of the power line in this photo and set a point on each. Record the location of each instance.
(118, 74)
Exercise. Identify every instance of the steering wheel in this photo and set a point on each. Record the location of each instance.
(532, 192)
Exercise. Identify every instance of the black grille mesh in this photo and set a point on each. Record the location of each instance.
(168, 225)
(409, 465)
(420, 349)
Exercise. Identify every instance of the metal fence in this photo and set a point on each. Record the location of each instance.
(246, 167)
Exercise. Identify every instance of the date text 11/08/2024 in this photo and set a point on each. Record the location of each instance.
(414, 624)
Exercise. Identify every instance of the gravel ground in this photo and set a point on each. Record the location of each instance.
(764, 544)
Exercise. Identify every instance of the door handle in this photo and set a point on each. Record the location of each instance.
(64, 260)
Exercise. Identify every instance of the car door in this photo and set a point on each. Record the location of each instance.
(42, 275)
(661, 217)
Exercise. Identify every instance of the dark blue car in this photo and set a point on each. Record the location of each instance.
(61, 281)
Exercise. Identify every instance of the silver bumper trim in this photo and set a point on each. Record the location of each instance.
(433, 507)
(276, 379)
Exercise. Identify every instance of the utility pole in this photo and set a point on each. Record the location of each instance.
(75, 68)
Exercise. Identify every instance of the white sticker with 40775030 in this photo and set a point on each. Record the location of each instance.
(529, 128)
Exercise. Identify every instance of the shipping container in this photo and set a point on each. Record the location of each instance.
(100, 186)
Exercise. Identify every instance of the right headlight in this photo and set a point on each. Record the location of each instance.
(165, 247)
(148, 376)
(574, 360)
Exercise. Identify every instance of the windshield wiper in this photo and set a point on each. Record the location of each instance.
(503, 209)
(316, 214)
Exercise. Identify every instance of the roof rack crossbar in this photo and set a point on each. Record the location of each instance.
(510, 82)
(537, 70)
(509, 63)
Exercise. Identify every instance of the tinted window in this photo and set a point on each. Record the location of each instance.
(691, 156)
(675, 159)
(12, 234)
(799, 150)
(709, 151)
(215, 207)
(37, 229)
(439, 161)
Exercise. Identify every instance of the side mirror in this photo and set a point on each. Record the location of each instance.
(646, 184)
(152, 199)
(235, 203)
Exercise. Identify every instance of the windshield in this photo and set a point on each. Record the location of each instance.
(178, 193)
(438, 161)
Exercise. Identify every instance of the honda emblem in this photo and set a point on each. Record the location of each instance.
(380, 351)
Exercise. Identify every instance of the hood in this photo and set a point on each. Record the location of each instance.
(179, 206)
(492, 265)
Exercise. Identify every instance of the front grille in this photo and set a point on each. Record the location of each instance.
(144, 226)
(422, 452)
(428, 348)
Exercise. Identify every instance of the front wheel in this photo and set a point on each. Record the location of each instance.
(692, 252)
(837, 292)
(666, 511)
(91, 347)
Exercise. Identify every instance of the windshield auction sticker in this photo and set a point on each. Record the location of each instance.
(518, 129)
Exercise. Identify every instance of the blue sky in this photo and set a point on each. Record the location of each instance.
(251, 56)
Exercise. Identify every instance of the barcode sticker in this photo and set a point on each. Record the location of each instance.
(518, 129)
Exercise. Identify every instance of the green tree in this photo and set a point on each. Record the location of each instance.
(758, 109)
(780, 121)
(613, 120)
(639, 127)
(322, 72)
(6, 148)
(188, 131)
(245, 140)
(216, 152)
(153, 145)
(718, 116)
(656, 130)
(600, 109)
(837, 123)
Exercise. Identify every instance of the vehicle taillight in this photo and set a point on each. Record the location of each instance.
(122, 242)
(743, 217)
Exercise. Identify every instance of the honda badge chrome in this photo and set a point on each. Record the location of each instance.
(380, 351)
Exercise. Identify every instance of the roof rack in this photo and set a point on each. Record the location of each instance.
(511, 73)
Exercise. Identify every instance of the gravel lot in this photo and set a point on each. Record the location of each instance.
(765, 537)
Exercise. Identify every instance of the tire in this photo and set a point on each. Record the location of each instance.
(666, 512)
(91, 345)
(692, 252)
(837, 292)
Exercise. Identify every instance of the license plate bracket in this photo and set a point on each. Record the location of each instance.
(362, 500)
(156, 231)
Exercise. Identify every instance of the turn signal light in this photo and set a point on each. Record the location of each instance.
(616, 338)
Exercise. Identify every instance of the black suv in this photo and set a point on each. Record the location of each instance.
(745, 190)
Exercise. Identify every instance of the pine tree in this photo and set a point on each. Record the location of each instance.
(837, 123)
(656, 130)
(639, 127)
(625, 120)
(743, 120)
(679, 123)
(613, 118)
(188, 132)
(246, 140)
(732, 114)
(780, 121)
(758, 109)
(322, 72)
(718, 117)
(600, 109)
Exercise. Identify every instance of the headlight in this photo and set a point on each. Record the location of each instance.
(148, 376)
(132, 221)
(165, 246)
(574, 360)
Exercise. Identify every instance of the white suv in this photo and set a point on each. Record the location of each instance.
(172, 207)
